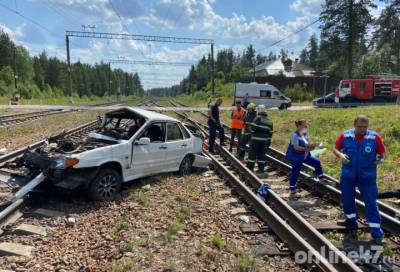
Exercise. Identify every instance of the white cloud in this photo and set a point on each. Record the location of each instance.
(101, 8)
(16, 34)
(200, 15)
(307, 7)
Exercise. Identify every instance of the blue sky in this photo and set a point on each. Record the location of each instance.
(231, 23)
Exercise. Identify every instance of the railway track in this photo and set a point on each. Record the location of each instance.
(304, 217)
(16, 119)
(273, 153)
(8, 167)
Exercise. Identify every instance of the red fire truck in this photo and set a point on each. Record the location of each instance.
(373, 89)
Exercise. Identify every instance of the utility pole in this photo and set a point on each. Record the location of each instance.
(15, 69)
(325, 85)
(69, 70)
(350, 42)
(126, 84)
(212, 71)
(254, 70)
(109, 79)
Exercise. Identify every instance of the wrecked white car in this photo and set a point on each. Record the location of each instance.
(130, 143)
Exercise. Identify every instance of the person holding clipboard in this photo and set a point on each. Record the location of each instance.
(298, 152)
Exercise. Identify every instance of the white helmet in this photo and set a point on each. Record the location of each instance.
(261, 108)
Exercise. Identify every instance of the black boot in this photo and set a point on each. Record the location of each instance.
(347, 224)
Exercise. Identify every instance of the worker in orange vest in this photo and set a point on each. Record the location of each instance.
(237, 123)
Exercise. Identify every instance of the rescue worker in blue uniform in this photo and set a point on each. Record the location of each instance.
(298, 152)
(262, 129)
(360, 150)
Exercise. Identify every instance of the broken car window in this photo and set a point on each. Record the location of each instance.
(156, 132)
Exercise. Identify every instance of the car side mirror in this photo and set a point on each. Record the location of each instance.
(143, 141)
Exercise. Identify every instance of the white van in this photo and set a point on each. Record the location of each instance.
(265, 94)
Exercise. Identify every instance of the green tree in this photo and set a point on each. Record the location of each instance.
(387, 32)
(344, 26)
(304, 57)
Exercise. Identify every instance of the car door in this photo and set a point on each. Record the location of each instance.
(150, 159)
(177, 145)
(276, 99)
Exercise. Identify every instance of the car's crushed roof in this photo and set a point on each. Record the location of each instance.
(130, 112)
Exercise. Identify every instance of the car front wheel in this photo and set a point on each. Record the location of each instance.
(106, 185)
(186, 166)
(283, 106)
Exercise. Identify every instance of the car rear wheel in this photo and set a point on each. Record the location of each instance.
(106, 185)
(186, 166)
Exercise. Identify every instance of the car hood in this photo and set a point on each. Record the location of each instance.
(98, 136)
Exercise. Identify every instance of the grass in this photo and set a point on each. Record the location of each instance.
(246, 263)
(32, 131)
(127, 247)
(123, 265)
(325, 126)
(64, 100)
(140, 196)
(217, 241)
(120, 224)
(183, 213)
(173, 230)
(180, 198)
(99, 243)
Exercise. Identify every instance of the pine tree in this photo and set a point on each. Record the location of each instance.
(388, 32)
(304, 57)
(344, 25)
(313, 52)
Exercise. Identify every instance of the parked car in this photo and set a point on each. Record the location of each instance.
(130, 143)
(327, 99)
(265, 94)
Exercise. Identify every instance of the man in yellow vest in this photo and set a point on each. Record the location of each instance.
(237, 123)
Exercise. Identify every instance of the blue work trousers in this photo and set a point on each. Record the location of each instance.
(296, 168)
(369, 193)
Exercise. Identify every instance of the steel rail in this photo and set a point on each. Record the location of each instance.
(20, 151)
(17, 121)
(388, 214)
(24, 114)
(389, 210)
(297, 232)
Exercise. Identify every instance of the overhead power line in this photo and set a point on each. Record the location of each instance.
(144, 62)
(25, 17)
(290, 35)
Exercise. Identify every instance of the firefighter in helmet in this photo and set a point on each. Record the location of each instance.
(249, 116)
(262, 129)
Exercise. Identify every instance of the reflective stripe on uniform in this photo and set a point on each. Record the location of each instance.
(260, 138)
(350, 216)
(260, 126)
(261, 161)
(374, 225)
(250, 161)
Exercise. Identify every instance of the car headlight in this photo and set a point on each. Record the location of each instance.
(66, 163)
